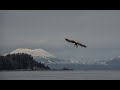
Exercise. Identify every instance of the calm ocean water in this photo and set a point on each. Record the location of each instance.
(60, 75)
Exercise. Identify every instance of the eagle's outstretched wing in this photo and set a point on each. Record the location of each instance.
(82, 45)
(71, 41)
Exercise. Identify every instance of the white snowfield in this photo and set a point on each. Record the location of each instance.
(34, 53)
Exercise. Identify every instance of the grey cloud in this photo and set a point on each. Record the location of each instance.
(47, 29)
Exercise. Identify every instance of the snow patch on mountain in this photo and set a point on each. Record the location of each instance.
(35, 53)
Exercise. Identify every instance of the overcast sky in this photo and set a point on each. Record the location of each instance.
(46, 29)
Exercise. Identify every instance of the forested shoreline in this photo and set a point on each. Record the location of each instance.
(20, 61)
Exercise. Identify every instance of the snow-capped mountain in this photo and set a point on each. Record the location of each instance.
(41, 55)
(35, 53)
(114, 61)
(53, 62)
(103, 62)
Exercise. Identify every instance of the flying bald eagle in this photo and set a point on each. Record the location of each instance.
(75, 43)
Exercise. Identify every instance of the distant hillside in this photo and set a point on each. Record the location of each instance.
(115, 61)
(113, 64)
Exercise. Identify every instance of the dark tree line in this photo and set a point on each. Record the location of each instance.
(20, 61)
